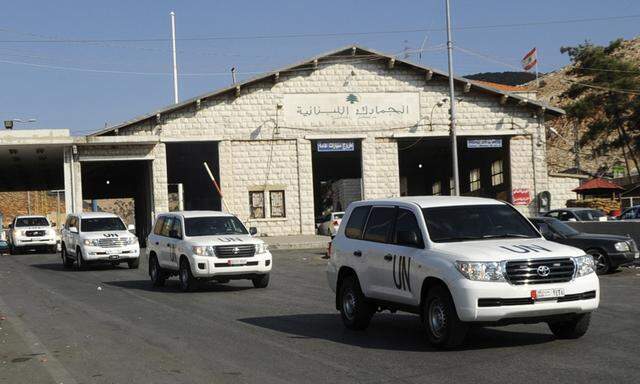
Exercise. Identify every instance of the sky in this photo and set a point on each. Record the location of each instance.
(77, 64)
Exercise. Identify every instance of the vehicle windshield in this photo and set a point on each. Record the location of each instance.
(476, 222)
(562, 228)
(101, 224)
(32, 222)
(213, 225)
(589, 215)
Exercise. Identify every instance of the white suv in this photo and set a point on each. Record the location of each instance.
(92, 237)
(457, 261)
(32, 232)
(206, 245)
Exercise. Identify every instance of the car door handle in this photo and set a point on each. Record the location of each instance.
(157, 243)
(168, 245)
(357, 253)
(388, 257)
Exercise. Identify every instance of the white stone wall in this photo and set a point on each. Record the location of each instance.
(246, 124)
(345, 192)
(561, 189)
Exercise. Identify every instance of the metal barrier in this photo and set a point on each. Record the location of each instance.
(625, 227)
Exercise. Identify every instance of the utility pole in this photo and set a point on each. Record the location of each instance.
(175, 63)
(452, 102)
(576, 148)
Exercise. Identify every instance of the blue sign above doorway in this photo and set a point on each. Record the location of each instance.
(336, 146)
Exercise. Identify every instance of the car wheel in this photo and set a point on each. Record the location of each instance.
(66, 261)
(571, 328)
(80, 264)
(355, 311)
(133, 264)
(603, 265)
(444, 328)
(187, 281)
(261, 282)
(157, 275)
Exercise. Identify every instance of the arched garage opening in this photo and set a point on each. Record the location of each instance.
(107, 182)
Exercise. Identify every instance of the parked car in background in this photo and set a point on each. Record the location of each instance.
(577, 214)
(32, 232)
(330, 223)
(609, 251)
(206, 245)
(98, 237)
(631, 213)
(4, 247)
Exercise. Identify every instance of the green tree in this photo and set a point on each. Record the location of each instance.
(606, 98)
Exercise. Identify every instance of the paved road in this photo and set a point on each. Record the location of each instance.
(109, 326)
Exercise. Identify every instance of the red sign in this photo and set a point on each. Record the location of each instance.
(520, 196)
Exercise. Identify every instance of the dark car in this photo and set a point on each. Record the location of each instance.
(609, 251)
(4, 247)
(631, 213)
(577, 214)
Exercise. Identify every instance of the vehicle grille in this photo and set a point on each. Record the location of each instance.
(526, 271)
(240, 250)
(35, 233)
(112, 242)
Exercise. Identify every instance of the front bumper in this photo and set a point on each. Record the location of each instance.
(25, 242)
(91, 253)
(210, 266)
(471, 296)
(622, 259)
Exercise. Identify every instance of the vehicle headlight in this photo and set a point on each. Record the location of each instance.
(482, 271)
(622, 246)
(23, 233)
(202, 250)
(131, 240)
(261, 248)
(93, 242)
(584, 265)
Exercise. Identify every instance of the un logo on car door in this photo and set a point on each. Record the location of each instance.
(402, 272)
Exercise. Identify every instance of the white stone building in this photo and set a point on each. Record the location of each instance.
(277, 142)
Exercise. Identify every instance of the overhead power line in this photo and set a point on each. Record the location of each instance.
(313, 35)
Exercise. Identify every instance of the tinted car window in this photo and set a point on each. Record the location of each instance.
(214, 225)
(177, 227)
(32, 222)
(166, 226)
(380, 224)
(590, 215)
(158, 227)
(406, 222)
(356, 223)
(99, 224)
(554, 214)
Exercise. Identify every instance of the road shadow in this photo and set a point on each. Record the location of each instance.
(172, 286)
(94, 267)
(389, 332)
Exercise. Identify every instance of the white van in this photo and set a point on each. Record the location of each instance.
(457, 261)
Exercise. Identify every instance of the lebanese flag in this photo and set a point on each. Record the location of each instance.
(530, 59)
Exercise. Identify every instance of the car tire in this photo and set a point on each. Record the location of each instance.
(66, 261)
(443, 327)
(355, 310)
(187, 281)
(157, 275)
(573, 327)
(601, 259)
(261, 282)
(133, 264)
(80, 263)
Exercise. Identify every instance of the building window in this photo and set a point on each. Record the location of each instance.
(436, 189)
(256, 204)
(474, 179)
(276, 201)
(497, 174)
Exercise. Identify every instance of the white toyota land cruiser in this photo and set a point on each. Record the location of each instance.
(206, 245)
(32, 232)
(457, 261)
(93, 237)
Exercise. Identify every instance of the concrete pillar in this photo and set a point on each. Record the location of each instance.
(72, 182)
(305, 187)
(159, 180)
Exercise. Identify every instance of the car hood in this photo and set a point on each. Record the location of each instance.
(224, 239)
(107, 235)
(506, 249)
(599, 236)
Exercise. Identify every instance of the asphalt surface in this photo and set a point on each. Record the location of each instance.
(108, 325)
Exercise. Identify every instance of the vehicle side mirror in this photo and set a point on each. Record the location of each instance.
(73, 229)
(53, 224)
(333, 237)
(10, 226)
(131, 228)
(409, 238)
(253, 231)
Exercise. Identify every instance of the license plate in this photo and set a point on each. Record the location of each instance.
(547, 293)
(237, 262)
(113, 257)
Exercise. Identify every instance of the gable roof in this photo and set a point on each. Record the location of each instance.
(598, 183)
(310, 64)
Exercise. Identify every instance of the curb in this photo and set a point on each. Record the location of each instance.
(289, 246)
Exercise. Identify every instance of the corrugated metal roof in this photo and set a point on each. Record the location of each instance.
(309, 63)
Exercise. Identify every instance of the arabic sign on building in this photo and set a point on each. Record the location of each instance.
(344, 109)
(484, 143)
(336, 146)
(520, 196)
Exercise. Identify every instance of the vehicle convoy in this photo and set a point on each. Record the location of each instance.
(206, 245)
(457, 262)
(98, 237)
(608, 251)
(32, 232)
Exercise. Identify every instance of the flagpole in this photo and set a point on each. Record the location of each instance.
(537, 81)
